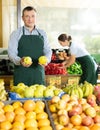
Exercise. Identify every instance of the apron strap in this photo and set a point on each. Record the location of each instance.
(36, 30)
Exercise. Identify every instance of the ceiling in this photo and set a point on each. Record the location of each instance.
(63, 3)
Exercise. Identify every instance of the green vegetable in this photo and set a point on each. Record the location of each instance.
(75, 69)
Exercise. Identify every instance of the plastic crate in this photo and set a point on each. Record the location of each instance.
(57, 80)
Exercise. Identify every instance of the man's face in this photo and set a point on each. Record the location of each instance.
(29, 18)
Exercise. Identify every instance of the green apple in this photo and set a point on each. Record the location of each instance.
(38, 93)
(29, 93)
(51, 87)
(27, 60)
(57, 91)
(48, 92)
(34, 86)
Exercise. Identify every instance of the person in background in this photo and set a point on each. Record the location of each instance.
(31, 41)
(80, 54)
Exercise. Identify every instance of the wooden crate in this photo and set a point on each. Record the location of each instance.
(62, 80)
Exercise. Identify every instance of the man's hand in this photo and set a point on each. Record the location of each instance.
(23, 63)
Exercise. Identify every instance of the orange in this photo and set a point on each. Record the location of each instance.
(46, 128)
(30, 115)
(32, 128)
(39, 106)
(17, 124)
(2, 117)
(40, 103)
(10, 116)
(77, 127)
(29, 105)
(76, 120)
(95, 127)
(19, 111)
(42, 115)
(20, 118)
(84, 128)
(66, 128)
(30, 123)
(17, 104)
(52, 108)
(1, 104)
(16, 129)
(43, 122)
(5, 125)
(8, 108)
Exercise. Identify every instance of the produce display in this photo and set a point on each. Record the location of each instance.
(56, 63)
(55, 68)
(35, 91)
(75, 69)
(72, 113)
(82, 90)
(24, 115)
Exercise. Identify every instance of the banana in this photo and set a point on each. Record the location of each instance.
(91, 89)
(86, 90)
(75, 92)
(80, 92)
(69, 91)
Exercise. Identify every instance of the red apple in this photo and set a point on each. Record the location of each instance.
(97, 119)
(87, 121)
(76, 109)
(91, 99)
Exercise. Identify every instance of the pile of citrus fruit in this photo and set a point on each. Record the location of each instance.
(27, 115)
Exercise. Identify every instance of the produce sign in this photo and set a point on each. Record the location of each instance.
(74, 69)
(55, 68)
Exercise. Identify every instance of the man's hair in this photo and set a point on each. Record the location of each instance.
(28, 8)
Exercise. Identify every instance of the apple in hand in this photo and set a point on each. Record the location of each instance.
(43, 60)
(27, 60)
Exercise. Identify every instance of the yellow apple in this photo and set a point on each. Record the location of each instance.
(63, 120)
(27, 60)
(55, 99)
(43, 60)
(61, 104)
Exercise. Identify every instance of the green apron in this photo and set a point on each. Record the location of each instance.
(30, 45)
(88, 67)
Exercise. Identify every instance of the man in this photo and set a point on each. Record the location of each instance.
(28, 41)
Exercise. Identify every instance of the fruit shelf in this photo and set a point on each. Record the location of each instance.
(46, 109)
